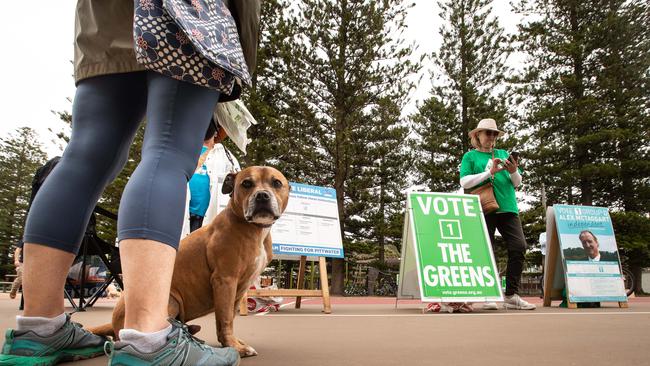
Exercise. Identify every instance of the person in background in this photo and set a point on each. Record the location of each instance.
(217, 162)
(542, 243)
(18, 263)
(200, 182)
(485, 164)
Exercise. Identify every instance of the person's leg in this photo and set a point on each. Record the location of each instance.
(199, 223)
(152, 207)
(149, 227)
(106, 113)
(510, 228)
(18, 282)
(196, 222)
(147, 268)
(46, 269)
(490, 222)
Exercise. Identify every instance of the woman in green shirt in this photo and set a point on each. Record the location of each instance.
(486, 164)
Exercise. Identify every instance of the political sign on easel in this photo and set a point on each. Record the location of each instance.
(309, 227)
(582, 257)
(446, 251)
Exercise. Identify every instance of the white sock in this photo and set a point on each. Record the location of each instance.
(145, 342)
(42, 326)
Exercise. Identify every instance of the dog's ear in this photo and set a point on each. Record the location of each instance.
(229, 183)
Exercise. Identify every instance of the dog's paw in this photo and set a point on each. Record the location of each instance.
(244, 349)
(247, 351)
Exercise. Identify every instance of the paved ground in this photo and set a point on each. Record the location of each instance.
(372, 331)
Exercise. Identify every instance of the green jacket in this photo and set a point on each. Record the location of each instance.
(104, 36)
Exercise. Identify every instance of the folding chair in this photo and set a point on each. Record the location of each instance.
(94, 245)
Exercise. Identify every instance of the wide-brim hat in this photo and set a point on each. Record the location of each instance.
(486, 124)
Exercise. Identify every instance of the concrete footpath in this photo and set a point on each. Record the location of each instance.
(372, 331)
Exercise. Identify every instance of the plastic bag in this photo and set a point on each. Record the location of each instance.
(448, 307)
(235, 118)
(264, 304)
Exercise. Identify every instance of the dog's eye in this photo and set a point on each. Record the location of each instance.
(247, 184)
(277, 183)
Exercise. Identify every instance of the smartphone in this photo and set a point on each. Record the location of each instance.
(514, 156)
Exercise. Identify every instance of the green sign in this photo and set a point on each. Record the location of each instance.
(448, 236)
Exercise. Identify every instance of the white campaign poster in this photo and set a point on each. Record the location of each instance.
(310, 224)
(590, 254)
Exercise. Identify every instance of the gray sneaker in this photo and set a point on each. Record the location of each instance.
(181, 349)
(70, 343)
(517, 303)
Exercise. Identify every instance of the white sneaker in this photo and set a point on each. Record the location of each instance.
(490, 306)
(517, 303)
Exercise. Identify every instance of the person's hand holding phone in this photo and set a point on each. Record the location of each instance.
(497, 166)
(512, 163)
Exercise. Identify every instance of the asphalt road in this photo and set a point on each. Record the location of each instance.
(373, 331)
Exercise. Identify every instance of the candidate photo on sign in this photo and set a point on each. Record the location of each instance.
(588, 247)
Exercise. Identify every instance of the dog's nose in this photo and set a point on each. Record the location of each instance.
(262, 196)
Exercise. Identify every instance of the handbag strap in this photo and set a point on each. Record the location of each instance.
(492, 175)
(233, 169)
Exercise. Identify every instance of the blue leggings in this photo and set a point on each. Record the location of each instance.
(106, 114)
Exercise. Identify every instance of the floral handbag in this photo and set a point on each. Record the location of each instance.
(195, 41)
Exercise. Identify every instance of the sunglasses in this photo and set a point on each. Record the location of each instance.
(491, 133)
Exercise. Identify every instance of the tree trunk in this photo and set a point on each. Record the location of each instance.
(626, 152)
(340, 151)
(637, 272)
(381, 229)
(463, 88)
(338, 276)
(338, 265)
(582, 152)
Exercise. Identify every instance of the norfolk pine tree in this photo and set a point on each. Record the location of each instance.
(560, 101)
(21, 154)
(387, 175)
(623, 87)
(350, 55)
(468, 86)
(281, 137)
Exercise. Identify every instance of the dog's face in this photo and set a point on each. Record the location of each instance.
(260, 193)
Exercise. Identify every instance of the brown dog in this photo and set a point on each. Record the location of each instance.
(217, 263)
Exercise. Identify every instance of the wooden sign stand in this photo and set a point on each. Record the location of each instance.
(299, 292)
(553, 266)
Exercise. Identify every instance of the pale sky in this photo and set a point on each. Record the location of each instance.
(37, 68)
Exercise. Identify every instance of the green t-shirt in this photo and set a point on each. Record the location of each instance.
(476, 162)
